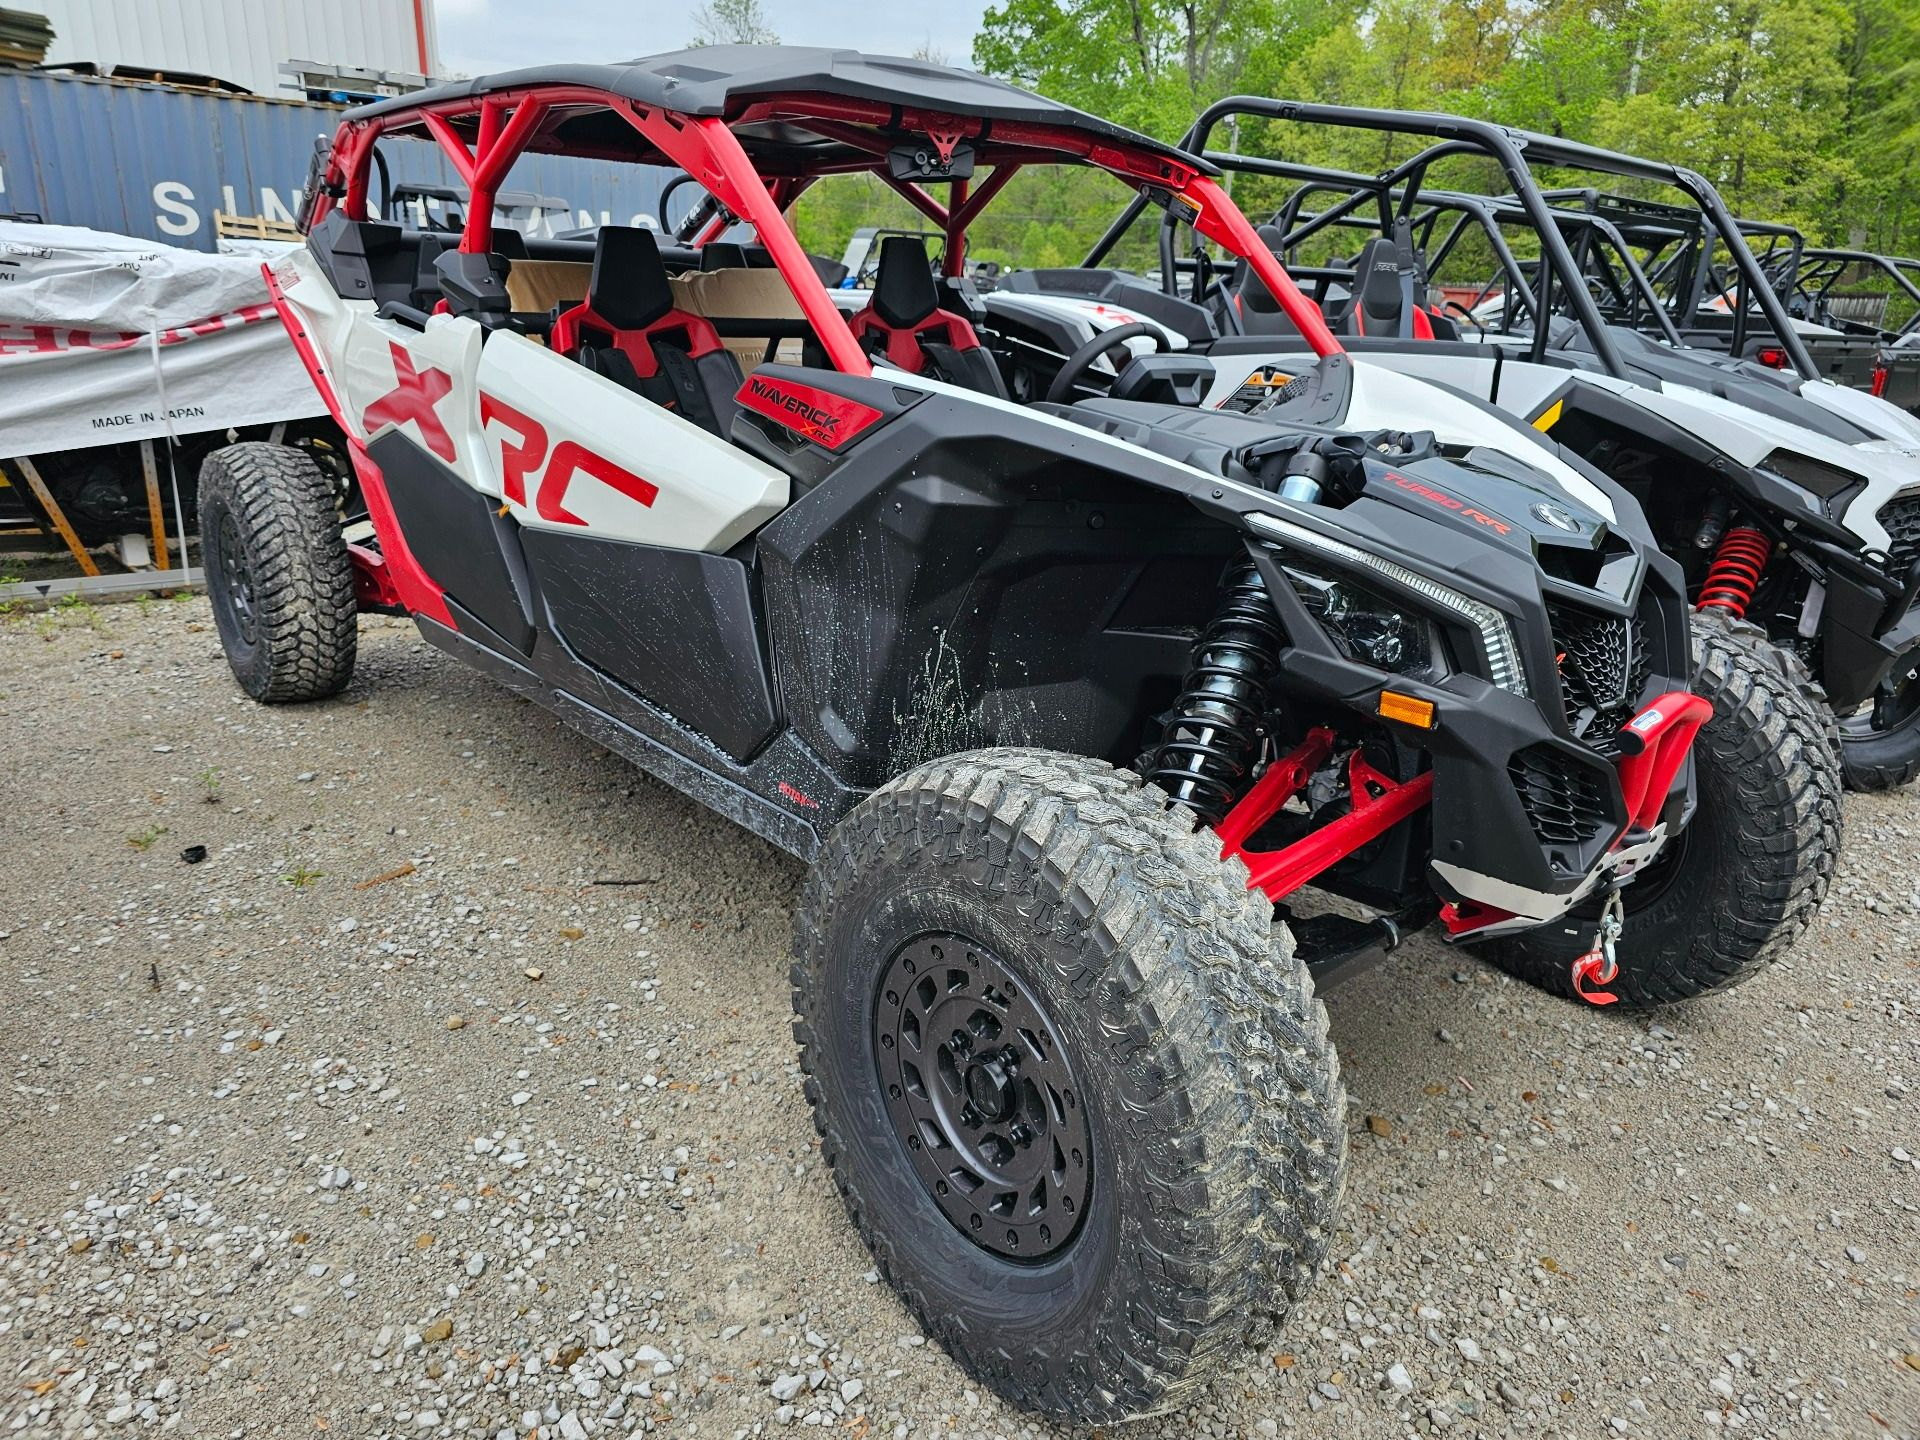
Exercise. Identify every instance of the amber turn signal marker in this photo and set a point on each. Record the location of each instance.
(1407, 709)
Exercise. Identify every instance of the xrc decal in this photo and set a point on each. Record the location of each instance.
(522, 456)
(413, 397)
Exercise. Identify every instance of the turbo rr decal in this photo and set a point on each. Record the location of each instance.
(523, 449)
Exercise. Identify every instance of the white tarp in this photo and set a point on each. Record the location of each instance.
(104, 338)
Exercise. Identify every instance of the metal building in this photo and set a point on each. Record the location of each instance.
(243, 41)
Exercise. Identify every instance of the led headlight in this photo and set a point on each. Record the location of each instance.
(1369, 627)
(1496, 633)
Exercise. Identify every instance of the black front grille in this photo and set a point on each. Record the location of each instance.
(1564, 801)
(1901, 516)
(1603, 668)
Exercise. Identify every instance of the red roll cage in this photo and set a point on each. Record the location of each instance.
(507, 123)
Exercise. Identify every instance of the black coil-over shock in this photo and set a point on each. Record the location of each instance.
(1211, 737)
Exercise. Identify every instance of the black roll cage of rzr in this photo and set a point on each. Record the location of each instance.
(1689, 266)
(1818, 269)
(1424, 210)
(1515, 151)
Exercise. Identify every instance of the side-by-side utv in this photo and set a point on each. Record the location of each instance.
(1062, 700)
(1783, 508)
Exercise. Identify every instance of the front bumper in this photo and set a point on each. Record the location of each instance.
(1656, 746)
(1527, 821)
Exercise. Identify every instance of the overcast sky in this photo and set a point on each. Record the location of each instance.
(478, 36)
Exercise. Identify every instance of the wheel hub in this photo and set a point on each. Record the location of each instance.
(990, 1089)
(238, 576)
(982, 1095)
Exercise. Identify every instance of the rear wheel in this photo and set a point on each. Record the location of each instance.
(1731, 892)
(1076, 1091)
(277, 572)
(1880, 742)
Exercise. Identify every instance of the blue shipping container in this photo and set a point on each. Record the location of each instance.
(156, 162)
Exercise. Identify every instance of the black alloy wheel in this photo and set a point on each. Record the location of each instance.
(983, 1096)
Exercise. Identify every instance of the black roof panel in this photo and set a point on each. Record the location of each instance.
(714, 79)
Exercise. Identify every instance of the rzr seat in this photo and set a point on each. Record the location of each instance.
(1389, 286)
(1259, 312)
(905, 323)
(628, 330)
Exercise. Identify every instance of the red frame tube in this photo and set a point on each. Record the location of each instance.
(1220, 220)
(1379, 802)
(392, 578)
(1656, 742)
(706, 148)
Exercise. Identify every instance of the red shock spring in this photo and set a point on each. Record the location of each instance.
(1736, 571)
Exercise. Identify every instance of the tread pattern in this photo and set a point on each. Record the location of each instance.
(1778, 781)
(1884, 761)
(1180, 954)
(289, 524)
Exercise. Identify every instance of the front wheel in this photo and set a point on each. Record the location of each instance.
(1731, 892)
(277, 572)
(1075, 1089)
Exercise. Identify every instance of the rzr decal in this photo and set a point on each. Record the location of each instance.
(413, 397)
(521, 456)
(819, 415)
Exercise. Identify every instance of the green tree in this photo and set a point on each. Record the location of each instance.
(732, 22)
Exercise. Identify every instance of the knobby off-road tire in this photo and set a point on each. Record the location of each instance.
(1870, 760)
(1736, 888)
(277, 572)
(1205, 1096)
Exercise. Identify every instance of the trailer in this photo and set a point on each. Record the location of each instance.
(163, 163)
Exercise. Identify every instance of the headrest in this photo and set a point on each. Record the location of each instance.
(1383, 279)
(508, 242)
(903, 289)
(722, 255)
(1253, 291)
(628, 289)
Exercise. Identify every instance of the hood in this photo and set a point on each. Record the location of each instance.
(1869, 412)
(1738, 431)
(1384, 399)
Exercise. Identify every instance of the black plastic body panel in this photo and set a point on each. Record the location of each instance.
(455, 534)
(678, 627)
(966, 579)
(1858, 647)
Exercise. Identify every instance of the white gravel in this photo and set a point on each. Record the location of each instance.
(453, 1094)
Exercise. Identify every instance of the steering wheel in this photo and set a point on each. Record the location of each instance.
(1081, 361)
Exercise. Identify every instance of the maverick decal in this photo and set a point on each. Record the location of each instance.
(820, 415)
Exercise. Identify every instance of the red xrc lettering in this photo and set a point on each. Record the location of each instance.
(412, 398)
(522, 456)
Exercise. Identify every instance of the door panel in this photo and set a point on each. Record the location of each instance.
(678, 628)
(457, 536)
(571, 451)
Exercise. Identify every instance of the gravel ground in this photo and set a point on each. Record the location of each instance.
(452, 1094)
